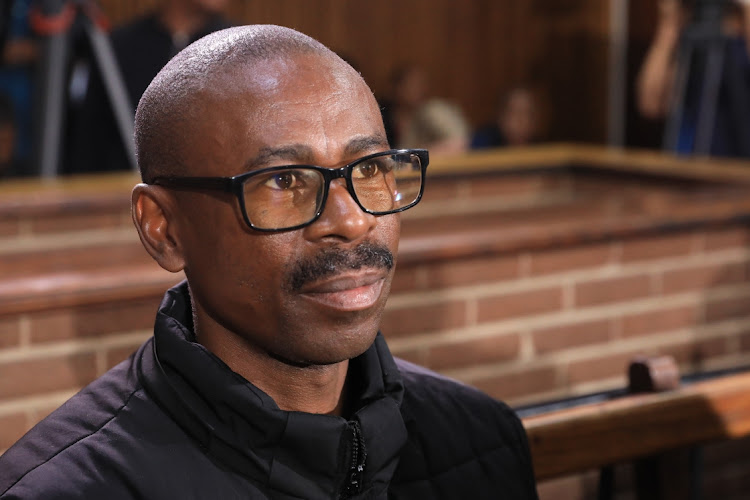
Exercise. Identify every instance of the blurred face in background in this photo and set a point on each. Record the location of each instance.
(517, 119)
(411, 87)
(7, 140)
(209, 6)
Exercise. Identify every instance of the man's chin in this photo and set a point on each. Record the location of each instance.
(336, 350)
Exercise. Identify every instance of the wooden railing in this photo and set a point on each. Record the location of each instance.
(593, 436)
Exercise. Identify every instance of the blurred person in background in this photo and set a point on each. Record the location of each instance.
(408, 92)
(142, 48)
(516, 123)
(437, 125)
(9, 167)
(657, 78)
(18, 57)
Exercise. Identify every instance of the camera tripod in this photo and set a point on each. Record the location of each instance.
(703, 52)
(55, 20)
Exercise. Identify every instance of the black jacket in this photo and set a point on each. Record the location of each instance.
(174, 422)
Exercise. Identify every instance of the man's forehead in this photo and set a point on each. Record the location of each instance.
(268, 77)
(284, 110)
(278, 90)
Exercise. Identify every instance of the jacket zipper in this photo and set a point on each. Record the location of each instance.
(353, 484)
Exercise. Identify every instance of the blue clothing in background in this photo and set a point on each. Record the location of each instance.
(16, 81)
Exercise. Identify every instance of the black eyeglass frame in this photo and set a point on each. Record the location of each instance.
(235, 184)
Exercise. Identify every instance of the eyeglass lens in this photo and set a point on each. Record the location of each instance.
(292, 196)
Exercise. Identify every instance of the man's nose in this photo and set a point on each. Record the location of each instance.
(342, 218)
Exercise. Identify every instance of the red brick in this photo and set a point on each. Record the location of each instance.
(23, 378)
(607, 366)
(85, 257)
(520, 384)
(441, 189)
(416, 356)
(727, 238)
(703, 277)
(65, 222)
(558, 338)
(94, 321)
(658, 247)
(519, 304)
(604, 291)
(12, 427)
(745, 341)
(115, 356)
(695, 352)
(54, 325)
(662, 320)
(528, 186)
(729, 308)
(405, 279)
(418, 319)
(568, 259)
(10, 332)
(41, 412)
(9, 227)
(471, 271)
(474, 352)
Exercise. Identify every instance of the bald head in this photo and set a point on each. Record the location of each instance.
(172, 102)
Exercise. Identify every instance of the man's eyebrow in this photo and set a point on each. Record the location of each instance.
(295, 153)
(365, 144)
(303, 154)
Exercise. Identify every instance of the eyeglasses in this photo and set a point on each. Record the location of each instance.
(293, 196)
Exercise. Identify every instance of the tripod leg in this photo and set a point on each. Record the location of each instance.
(739, 107)
(677, 109)
(709, 97)
(115, 87)
(48, 131)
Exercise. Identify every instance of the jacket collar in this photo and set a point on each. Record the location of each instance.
(296, 453)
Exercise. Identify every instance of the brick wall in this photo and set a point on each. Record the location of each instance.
(530, 286)
(551, 323)
(65, 253)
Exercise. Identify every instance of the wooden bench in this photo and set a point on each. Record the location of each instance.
(596, 435)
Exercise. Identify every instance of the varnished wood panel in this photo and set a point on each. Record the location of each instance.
(472, 50)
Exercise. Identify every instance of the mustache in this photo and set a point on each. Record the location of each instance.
(334, 260)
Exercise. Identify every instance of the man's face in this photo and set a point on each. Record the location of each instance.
(312, 295)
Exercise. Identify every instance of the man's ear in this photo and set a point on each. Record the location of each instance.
(153, 210)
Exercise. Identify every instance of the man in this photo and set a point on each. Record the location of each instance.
(515, 123)
(142, 47)
(266, 376)
(699, 26)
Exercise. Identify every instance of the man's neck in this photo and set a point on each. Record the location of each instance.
(309, 389)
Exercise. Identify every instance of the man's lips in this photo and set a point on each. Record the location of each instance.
(347, 291)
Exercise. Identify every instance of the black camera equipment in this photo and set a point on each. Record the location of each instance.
(703, 64)
(56, 21)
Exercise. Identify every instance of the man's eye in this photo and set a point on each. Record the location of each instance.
(282, 180)
(366, 170)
